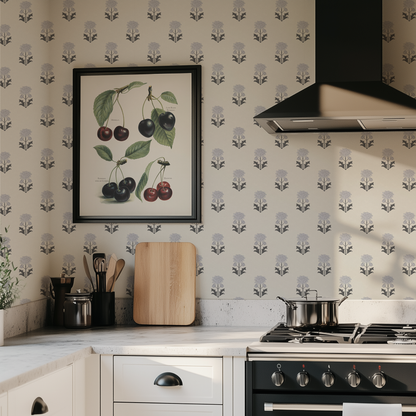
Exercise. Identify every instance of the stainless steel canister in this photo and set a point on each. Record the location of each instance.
(77, 310)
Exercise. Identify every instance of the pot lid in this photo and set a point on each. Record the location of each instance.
(304, 299)
(77, 295)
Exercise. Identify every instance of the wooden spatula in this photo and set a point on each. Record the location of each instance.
(110, 271)
(119, 268)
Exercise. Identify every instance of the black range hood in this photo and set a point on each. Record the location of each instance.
(348, 94)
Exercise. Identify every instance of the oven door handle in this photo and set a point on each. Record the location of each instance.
(270, 407)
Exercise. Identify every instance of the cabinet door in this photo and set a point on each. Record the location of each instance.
(134, 409)
(3, 404)
(135, 377)
(55, 390)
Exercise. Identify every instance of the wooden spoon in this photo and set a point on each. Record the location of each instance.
(119, 268)
(87, 272)
(110, 270)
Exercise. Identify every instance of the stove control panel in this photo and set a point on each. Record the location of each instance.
(336, 376)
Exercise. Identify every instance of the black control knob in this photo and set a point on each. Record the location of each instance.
(302, 378)
(278, 378)
(328, 378)
(353, 379)
(379, 380)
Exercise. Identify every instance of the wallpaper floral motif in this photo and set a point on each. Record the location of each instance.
(281, 215)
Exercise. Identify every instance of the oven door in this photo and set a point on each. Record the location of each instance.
(317, 404)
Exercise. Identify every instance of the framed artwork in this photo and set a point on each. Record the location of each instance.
(137, 144)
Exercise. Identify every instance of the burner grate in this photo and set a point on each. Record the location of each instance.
(343, 334)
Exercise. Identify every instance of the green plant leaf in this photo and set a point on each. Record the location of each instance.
(135, 84)
(169, 97)
(162, 136)
(104, 152)
(103, 106)
(143, 181)
(138, 150)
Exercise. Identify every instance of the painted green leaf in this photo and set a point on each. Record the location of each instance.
(138, 150)
(103, 106)
(104, 152)
(169, 97)
(143, 181)
(135, 84)
(162, 136)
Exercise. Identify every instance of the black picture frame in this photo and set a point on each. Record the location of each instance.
(105, 98)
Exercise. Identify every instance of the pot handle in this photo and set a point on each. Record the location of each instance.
(342, 300)
(289, 304)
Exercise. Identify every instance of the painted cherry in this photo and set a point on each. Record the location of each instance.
(147, 127)
(165, 193)
(121, 133)
(167, 120)
(163, 184)
(104, 133)
(109, 189)
(151, 194)
(122, 194)
(129, 183)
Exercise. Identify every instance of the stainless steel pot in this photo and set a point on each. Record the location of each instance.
(77, 310)
(305, 312)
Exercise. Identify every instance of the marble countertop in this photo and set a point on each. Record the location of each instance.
(26, 357)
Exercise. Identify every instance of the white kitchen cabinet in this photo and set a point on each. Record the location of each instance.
(86, 386)
(3, 404)
(134, 409)
(54, 389)
(212, 386)
(200, 378)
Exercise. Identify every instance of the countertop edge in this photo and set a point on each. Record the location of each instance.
(25, 358)
(44, 369)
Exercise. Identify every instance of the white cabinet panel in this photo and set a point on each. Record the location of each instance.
(135, 409)
(3, 404)
(55, 389)
(86, 385)
(134, 379)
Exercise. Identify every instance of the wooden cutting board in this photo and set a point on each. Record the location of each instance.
(164, 284)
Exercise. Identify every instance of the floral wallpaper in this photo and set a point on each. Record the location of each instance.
(281, 215)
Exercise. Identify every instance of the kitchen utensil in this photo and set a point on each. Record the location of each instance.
(77, 310)
(87, 272)
(110, 271)
(100, 270)
(94, 257)
(305, 312)
(119, 268)
(164, 283)
(59, 287)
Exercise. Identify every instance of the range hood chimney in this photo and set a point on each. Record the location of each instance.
(348, 94)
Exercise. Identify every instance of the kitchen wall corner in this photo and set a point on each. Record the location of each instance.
(26, 317)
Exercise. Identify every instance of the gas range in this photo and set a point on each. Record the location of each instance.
(296, 370)
(344, 334)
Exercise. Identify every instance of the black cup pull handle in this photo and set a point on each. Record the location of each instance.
(39, 407)
(168, 380)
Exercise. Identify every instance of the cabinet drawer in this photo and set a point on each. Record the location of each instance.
(134, 409)
(134, 379)
(55, 389)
